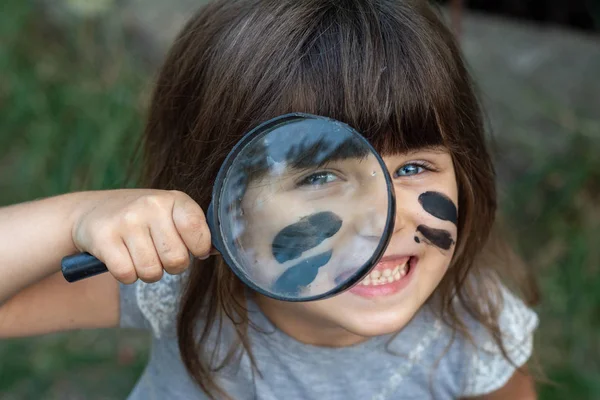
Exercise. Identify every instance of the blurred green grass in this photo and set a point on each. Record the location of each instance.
(71, 107)
(70, 104)
(70, 117)
(101, 364)
(554, 211)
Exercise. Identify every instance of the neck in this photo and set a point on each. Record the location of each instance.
(293, 320)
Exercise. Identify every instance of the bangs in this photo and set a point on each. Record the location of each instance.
(378, 70)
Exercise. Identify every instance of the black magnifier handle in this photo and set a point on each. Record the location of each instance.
(80, 266)
(84, 265)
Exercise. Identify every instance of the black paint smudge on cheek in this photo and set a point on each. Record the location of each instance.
(439, 205)
(296, 278)
(438, 237)
(309, 232)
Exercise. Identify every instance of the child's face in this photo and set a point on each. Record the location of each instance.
(415, 261)
(307, 230)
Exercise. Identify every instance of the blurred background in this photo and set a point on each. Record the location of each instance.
(75, 78)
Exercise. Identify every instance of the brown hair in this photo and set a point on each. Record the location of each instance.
(388, 68)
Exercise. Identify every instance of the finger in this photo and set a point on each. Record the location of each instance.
(173, 254)
(118, 261)
(213, 252)
(191, 224)
(144, 256)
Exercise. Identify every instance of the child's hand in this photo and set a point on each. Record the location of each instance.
(137, 232)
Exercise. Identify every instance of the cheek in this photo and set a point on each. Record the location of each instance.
(410, 214)
(433, 267)
(439, 205)
(307, 233)
(440, 238)
(264, 216)
(437, 225)
(293, 240)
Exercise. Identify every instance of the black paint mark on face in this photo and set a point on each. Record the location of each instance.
(437, 237)
(298, 277)
(309, 232)
(440, 206)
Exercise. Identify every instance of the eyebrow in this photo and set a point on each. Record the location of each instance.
(321, 152)
(302, 155)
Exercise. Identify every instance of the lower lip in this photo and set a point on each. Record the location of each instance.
(386, 289)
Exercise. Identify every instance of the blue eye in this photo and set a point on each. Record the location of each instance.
(318, 179)
(409, 170)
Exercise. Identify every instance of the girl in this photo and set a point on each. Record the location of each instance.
(391, 70)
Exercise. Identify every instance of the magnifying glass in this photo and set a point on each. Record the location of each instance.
(302, 209)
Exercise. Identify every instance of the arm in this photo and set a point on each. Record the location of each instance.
(137, 233)
(54, 305)
(520, 386)
(34, 237)
(34, 297)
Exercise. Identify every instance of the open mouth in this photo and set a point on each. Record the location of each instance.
(380, 276)
(389, 276)
(387, 270)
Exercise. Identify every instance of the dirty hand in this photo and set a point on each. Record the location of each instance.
(138, 233)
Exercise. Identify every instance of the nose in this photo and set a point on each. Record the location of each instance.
(372, 223)
(373, 216)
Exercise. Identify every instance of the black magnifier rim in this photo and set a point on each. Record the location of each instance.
(260, 130)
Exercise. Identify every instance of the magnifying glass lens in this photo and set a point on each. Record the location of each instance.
(304, 208)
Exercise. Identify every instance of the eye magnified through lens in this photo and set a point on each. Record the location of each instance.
(295, 209)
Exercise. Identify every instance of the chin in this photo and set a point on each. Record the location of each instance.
(369, 316)
(377, 323)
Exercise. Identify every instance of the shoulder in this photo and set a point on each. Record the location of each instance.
(486, 367)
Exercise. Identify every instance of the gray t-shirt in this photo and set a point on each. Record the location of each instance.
(415, 364)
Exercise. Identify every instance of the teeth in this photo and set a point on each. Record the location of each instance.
(387, 276)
